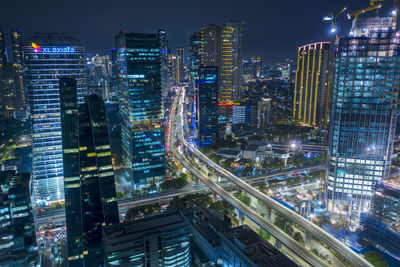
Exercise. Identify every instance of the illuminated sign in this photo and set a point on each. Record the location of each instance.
(36, 48)
(65, 49)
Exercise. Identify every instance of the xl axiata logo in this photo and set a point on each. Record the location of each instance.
(65, 49)
(36, 48)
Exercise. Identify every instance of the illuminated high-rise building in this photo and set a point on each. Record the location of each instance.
(195, 57)
(285, 69)
(175, 69)
(139, 59)
(47, 58)
(180, 51)
(3, 54)
(210, 45)
(363, 114)
(99, 71)
(310, 107)
(230, 62)
(17, 45)
(208, 105)
(90, 197)
(166, 73)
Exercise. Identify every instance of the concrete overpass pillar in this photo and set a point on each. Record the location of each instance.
(268, 213)
(308, 241)
(240, 217)
(214, 196)
(278, 244)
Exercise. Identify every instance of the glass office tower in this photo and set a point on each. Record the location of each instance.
(17, 44)
(140, 101)
(47, 58)
(363, 114)
(208, 105)
(3, 54)
(90, 197)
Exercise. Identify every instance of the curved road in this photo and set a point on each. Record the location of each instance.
(315, 231)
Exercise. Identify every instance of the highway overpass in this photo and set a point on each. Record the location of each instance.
(311, 229)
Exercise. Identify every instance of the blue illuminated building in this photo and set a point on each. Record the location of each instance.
(140, 101)
(382, 225)
(208, 105)
(363, 114)
(47, 58)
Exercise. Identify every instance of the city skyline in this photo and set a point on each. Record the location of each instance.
(96, 25)
(189, 133)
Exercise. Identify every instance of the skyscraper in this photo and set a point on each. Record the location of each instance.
(230, 62)
(175, 69)
(210, 45)
(363, 113)
(208, 105)
(181, 54)
(90, 197)
(311, 93)
(264, 113)
(17, 45)
(139, 60)
(17, 226)
(3, 54)
(47, 58)
(195, 57)
(165, 62)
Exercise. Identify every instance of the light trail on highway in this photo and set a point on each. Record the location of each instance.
(314, 230)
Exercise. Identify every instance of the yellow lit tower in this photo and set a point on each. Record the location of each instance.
(230, 65)
(311, 85)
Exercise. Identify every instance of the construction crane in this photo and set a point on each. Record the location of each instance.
(333, 17)
(394, 13)
(373, 6)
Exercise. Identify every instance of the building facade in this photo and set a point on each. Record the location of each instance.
(90, 196)
(17, 45)
(47, 58)
(264, 113)
(210, 45)
(180, 51)
(141, 108)
(230, 62)
(310, 107)
(208, 105)
(18, 245)
(363, 114)
(161, 240)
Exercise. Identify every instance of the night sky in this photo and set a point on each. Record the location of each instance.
(272, 29)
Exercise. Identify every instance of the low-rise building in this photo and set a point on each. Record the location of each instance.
(229, 153)
(160, 240)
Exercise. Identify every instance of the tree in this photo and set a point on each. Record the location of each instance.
(227, 164)
(315, 251)
(376, 258)
(244, 198)
(120, 195)
(264, 234)
(222, 207)
(191, 200)
(298, 237)
(262, 188)
(176, 183)
(135, 193)
(140, 211)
